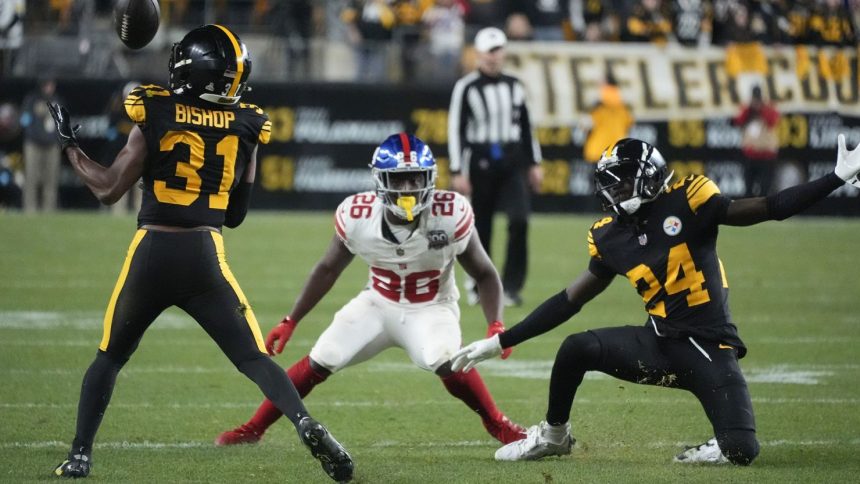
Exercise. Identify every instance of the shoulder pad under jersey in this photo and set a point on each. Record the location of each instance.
(135, 105)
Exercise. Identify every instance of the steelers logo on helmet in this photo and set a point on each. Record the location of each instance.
(630, 172)
(211, 63)
(404, 171)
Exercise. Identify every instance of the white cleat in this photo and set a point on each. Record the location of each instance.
(709, 453)
(541, 440)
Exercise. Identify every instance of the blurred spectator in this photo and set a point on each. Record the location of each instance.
(760, 142)
(10, 193)
(610, 121)
(691, 22)
(117, 136)
(407, 33)
(744, 33)
(11, 33)
(370, 27)
(647, 22)
(549, 19)
(830, 25)
(444, 28)
(294, 21)
(10, 128)
(486, 13)
(518, 28)
(41, 156)
(593, 20)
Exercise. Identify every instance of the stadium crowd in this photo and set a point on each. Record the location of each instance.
(425, 39)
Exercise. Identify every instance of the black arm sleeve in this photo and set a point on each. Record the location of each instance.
(237, 208)
(790, 201)
(547, 316)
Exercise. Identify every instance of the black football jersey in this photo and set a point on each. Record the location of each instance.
(197, 153)
(671, 259)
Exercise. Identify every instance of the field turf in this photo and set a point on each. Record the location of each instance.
(794, 294)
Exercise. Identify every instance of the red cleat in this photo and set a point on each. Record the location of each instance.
(242, 434)
(503, 430)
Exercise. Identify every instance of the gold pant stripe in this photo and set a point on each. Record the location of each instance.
(228, 274)
(138, 236)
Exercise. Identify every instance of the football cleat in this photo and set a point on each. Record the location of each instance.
(75, 466)
(709, 452)
(243, 434)
(537, 444)
(335, 460)
(503, 430)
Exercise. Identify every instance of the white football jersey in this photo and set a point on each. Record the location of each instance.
(420, 269)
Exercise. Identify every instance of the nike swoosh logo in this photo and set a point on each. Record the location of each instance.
(725, 347)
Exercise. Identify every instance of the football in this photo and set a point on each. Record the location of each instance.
(136, 21)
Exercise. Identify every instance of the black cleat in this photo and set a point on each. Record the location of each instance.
(335, 460)
(77, 465)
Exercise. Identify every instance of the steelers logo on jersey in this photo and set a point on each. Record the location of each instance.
(672, 226)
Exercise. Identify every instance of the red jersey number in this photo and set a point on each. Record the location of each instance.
(417, 287)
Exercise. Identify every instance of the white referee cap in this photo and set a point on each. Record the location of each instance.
(490, 38)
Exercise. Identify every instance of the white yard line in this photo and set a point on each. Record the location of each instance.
(418, 403)
(148, 445)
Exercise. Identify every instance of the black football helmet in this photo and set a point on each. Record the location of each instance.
(211, 63)
(630, 172)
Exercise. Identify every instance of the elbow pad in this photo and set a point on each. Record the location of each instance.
(237, 208)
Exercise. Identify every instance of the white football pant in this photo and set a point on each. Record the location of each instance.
(369, 323)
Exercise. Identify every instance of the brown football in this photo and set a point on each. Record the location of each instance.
(136, 21)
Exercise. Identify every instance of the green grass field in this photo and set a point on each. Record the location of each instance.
(794, 296)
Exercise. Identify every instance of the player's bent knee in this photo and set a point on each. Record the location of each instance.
(739, 446)
(112, 359)
(581, 349)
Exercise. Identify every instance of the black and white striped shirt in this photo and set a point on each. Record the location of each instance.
(488, 110)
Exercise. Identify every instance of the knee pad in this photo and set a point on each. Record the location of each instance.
(581, 348)
(739, 446)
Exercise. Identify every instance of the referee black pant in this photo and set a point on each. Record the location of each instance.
(501, 185)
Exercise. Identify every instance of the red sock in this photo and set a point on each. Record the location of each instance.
(470, 388)
(303, 377)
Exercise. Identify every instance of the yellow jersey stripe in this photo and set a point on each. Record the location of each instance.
(240, 60)
(702, 194)
(592, 248)
(695, 185)
(265, 133)
(228, 274)
(108, 321)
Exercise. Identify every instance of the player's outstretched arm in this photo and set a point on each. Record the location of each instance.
(547, 316)
(108, 184)
(320, 281)
(788, 202)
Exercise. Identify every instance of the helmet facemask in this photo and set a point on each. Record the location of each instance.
(405, 192)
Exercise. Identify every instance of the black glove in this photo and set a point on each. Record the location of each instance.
(65, 132)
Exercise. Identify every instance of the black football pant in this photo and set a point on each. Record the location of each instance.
(499, 186)
(707, 369)
(188, 270)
